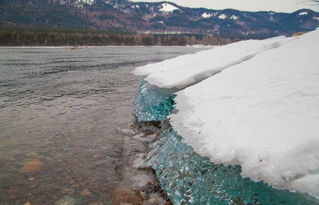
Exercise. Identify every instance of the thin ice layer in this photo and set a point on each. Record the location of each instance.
(189, 69)
(262, 114)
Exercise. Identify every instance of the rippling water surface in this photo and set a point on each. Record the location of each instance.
(60, 115)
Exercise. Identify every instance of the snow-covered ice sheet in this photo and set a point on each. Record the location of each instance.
(262, 114)
(182, 71)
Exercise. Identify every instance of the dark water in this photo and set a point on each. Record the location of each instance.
(63, 110)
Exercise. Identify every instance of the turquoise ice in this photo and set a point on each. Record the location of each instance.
(152, 103)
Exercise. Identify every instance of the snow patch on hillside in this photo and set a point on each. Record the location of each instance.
(206, 15)
(222, 16)
(168, 8)
(89, 2)
(135, 6)
(303, 13)
(233, 17)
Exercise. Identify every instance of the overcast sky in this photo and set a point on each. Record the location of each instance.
(250, 5)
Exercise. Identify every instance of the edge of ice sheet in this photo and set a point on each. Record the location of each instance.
(262, 114)
(183, 71)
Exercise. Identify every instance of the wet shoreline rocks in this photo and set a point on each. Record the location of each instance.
(139, 185)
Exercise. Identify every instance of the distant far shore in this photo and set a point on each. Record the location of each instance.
(57, 37)
(84, 47)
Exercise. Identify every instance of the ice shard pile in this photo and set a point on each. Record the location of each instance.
(245, 125)
(189, 178)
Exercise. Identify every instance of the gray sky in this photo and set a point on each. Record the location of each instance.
(249, 5)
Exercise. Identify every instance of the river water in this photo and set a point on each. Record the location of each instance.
(63, 118)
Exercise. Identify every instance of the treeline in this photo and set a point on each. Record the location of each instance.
(17, 36)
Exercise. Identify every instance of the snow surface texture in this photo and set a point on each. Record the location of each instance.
(260, 112)
(189, 69)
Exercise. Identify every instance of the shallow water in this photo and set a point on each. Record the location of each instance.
(65, 109)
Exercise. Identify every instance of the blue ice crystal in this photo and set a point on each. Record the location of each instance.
(152, 103)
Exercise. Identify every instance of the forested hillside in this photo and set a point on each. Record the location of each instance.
(17, 36)
(154, 17)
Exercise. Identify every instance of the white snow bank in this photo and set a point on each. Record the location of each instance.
(186, 70)
(262, 114)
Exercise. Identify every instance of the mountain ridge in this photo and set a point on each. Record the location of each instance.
(155, 17)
